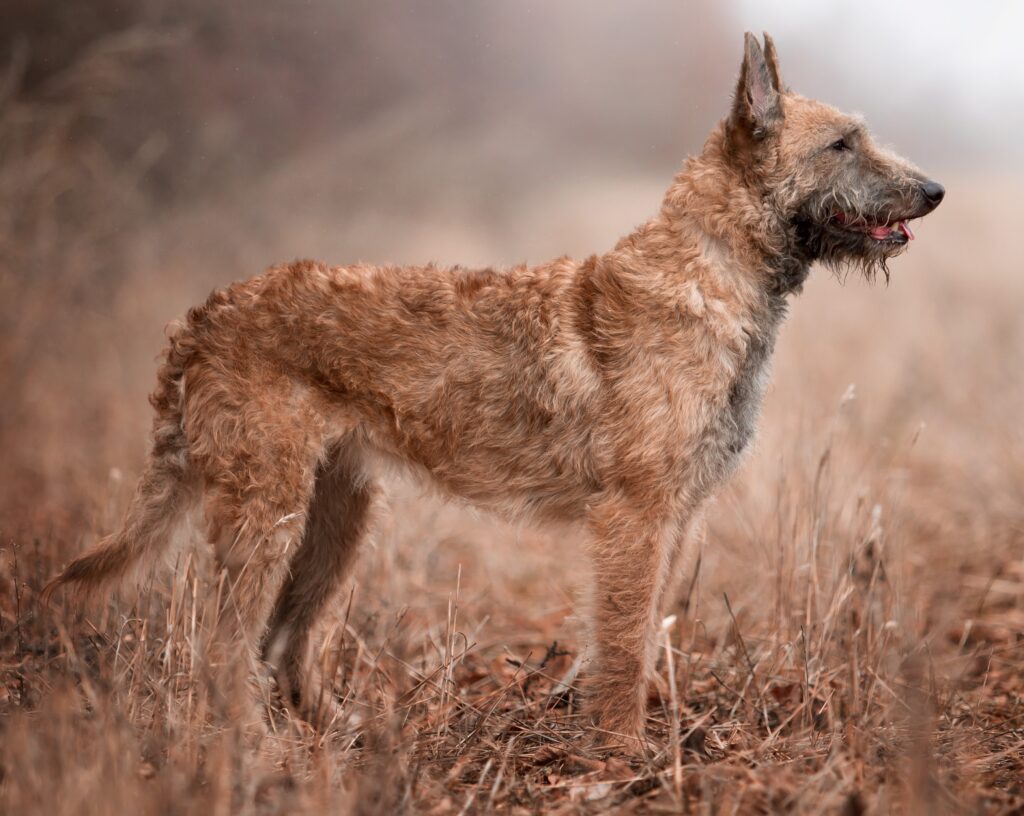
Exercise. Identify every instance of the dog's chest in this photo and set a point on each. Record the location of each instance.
(739, 419)
(735, 424)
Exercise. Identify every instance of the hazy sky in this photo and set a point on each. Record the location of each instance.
(967, 58)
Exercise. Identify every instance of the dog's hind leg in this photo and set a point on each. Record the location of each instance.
(259, 466)
(337, 523)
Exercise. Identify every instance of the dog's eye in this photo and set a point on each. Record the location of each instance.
(840, 145)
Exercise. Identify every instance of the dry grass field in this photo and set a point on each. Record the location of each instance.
(852, 638)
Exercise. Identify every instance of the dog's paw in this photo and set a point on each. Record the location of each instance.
(620, 731)
(321, 710)
(658, 690)
(631, 744)
(313, 702)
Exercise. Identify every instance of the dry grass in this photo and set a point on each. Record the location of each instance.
(853, 639)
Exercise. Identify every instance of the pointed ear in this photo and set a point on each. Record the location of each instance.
(771, 57)
(757, 107)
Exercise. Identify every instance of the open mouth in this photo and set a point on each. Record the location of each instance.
(897, 231)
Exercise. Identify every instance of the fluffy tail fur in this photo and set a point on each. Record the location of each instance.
(163, 491)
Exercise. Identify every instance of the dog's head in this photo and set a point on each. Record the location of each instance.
(839, 197)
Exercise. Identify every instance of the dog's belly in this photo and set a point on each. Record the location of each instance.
(509, 469)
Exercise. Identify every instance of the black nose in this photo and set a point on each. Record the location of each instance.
(933, 191)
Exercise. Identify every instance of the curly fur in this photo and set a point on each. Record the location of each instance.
(618, 392)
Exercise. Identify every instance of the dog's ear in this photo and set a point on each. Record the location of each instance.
(757, 107)
(771, 57)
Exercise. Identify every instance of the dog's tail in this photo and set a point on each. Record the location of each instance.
(164, 489)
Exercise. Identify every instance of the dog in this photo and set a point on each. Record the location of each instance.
(617, 392)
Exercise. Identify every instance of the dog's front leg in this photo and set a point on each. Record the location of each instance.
(685, 553)
(629, 549)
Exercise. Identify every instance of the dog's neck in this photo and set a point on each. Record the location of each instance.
(711, 198)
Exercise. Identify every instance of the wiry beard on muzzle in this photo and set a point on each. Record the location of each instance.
(843, 251)
(836, 229)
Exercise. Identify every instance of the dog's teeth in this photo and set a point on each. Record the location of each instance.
(906, 230)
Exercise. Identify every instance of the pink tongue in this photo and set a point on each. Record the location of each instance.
(885, 232)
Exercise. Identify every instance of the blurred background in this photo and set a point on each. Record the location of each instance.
(155, 149)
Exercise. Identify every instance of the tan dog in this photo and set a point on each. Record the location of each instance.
(618, 392)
